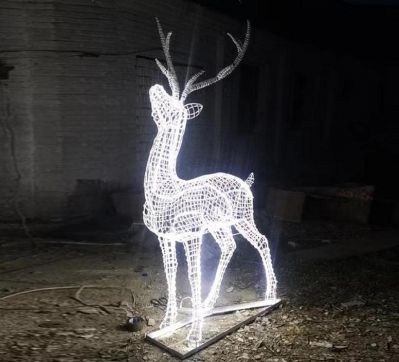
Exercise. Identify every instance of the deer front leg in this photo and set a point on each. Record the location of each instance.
(170, 265)
(227, 245)
(193, 255)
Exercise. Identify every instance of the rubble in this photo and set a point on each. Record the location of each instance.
(342, 310)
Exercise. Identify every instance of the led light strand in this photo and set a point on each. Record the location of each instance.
(183, 211)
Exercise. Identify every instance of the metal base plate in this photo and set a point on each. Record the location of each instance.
(218, 323)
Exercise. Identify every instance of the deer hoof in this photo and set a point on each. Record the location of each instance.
(207, 306)
(270, 296)
(194, 336)
(167, 322)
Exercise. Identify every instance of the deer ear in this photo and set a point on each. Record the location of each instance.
(193, 110)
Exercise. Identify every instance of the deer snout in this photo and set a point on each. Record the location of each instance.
(157, 92)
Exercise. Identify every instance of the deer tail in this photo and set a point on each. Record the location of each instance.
(250, 180)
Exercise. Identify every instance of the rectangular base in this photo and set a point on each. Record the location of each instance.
(218, 323)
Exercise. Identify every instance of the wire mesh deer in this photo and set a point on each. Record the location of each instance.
(178, 210)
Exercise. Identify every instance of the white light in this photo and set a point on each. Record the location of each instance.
(183, 211)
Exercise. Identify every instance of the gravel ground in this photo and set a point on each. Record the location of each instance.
(336, 310)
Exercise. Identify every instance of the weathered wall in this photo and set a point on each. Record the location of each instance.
(78, 99)
(16, 108)
(80, 110)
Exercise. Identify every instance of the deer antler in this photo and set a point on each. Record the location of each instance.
(191, 86)
(169, 72)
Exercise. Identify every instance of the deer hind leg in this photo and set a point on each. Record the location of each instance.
(168, 247)
(225, 240)
(193, 255)
(248, 229)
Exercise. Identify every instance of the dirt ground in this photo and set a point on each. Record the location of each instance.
(344, 309)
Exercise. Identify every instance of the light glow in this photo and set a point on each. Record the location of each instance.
(178, 210)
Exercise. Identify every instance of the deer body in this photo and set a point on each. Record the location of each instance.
(180, 210)
(170, 199)
(219, 208)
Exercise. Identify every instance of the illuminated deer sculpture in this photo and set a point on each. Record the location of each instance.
(183, 211)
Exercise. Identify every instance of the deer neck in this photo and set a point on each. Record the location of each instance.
(161, 165)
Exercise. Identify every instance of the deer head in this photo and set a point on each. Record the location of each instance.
(169, 110)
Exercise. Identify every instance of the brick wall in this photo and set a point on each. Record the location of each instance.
(80, 110)
(79, 99)
(17, 94)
